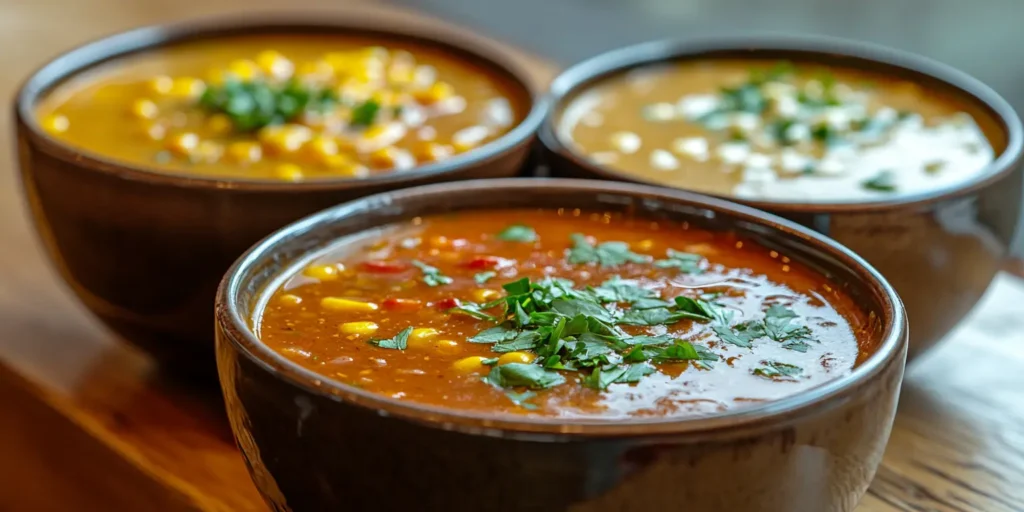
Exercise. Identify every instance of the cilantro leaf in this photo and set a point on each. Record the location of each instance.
(521, 398)
(521, 374)
(483, 277)
(431, 275)
(654, 316)
(518, 287)
(525, 340)
(687, 263)
(490, 361)
(496, 334)
(884, 181)
(686, 351)
(779, 326)
(740, 335)
(607, 254)
(700, 309)
(576, 307)
(602, 377)
(617, 289)
(777, 370)
(518, 233)
(364, 113)
(471, 310)
(399, 342)
(645, 340)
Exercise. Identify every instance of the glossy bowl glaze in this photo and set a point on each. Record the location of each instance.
(144, 249)
(313, 443)
(939, 250)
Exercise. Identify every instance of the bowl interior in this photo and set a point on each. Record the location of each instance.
(258, 271)
(995, 116)
(93, 55)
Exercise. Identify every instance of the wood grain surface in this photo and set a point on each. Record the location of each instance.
(87, 424)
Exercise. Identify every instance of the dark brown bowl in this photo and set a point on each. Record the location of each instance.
(313, 443)
(144, 249)
(939, 250)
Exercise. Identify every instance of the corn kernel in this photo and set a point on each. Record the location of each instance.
(485, 295)
(384, 97)
(56, 123)
(156, 131)
(469, 364)
(245, 152)
(316, 70)
(423, 333)
(187, 88)
(143, 108)
(183, 143)
(339, 304)
(400, 73)
(323, 272)
(209, 151)
(516, 357)
(290, 300)
(244, 70)
(359, 328)
(287, 138)
(272, 63)
(219, 124)
(161, 84)
(435, 93)
(384, 158)
(344, 166)
(447, 346)
(288, 172)
(433, 152)
(319, 148)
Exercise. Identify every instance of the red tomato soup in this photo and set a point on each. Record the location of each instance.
(565, 313)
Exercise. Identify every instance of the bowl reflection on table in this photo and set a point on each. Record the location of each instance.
(144, 249)
(313, 443)
(940, 250)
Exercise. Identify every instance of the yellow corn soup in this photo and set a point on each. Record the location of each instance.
(289, 107)
(769, 130)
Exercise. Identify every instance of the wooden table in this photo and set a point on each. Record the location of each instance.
(87, 424)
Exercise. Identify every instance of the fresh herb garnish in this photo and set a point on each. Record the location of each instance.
(431, 275)
(521, 398)
(607, 254)
(483, 277)
(518, 233)
(884, 181)
(687, 263)
(602, 377)
(523, 375)
(399, 342)
(255, 104)
(777, 370)
(472, 310)
(364, 113)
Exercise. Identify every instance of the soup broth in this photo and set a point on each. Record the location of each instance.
(780, 131)
(287, 107)
(564, 313)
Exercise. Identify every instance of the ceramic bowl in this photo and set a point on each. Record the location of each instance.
(313, 443)
(939, 250)
(144, 249)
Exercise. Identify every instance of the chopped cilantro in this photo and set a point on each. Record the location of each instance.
(777, 370)
(364, 113)
(607, 254)
(483, 277)
(522, 374)
(521, 398)
(884, 181)
(518, 233)
(686, 262)
(471, 310)
(399, 342)
(431, 275)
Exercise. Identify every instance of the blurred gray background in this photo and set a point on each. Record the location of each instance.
(981, 37)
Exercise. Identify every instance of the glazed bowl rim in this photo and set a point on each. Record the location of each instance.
(811, 48)
(236, 325)
(89, 55)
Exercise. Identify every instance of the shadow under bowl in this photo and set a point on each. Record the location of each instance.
(144, 249)
(313, 443)
(939, 250)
